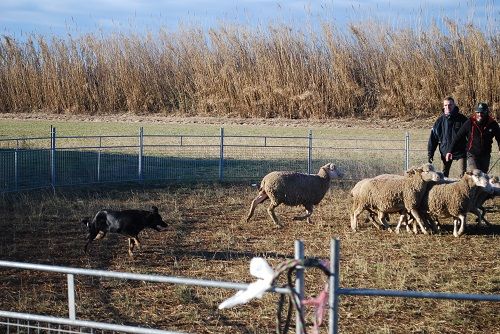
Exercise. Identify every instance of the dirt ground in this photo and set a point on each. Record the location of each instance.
(208, 238)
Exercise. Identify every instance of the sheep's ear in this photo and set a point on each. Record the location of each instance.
(154, 209)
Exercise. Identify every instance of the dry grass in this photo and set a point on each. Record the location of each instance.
(369, 69)
(207, 238)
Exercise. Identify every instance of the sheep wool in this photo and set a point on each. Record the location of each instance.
(456, 199)
(393, 194)
(293, 188)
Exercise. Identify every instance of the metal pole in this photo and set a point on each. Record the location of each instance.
(71, 297)
(53, 156)
(16, 166)
(221, 157)
(407, 151)
(299, 284)
(309, 153)
(99, 160)
(333, 300)
(141, 153)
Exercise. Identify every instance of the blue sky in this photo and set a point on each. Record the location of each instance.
(18, 17)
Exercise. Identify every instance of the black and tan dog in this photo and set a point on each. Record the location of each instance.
(127, 222)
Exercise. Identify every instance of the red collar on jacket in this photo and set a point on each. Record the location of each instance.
(474, 122)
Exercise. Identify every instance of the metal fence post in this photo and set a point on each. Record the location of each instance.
(221, 155)
(141, 153)
(407, 151)
(53, 156)
(71, 297)
(16, 166)
(309, 153)
(299, 284)
(99, 160)
(333, 298)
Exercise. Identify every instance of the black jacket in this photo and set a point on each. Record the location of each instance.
(479, 136)
(444, 132)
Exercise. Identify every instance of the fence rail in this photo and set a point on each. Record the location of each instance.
(335, 291)
(49, 162)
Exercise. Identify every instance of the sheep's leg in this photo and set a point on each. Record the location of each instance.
(133, 241)
(137, 242)
(436, 225)
(417, 217)
(309, 211)
(372, 218)
(130, 247)
(354, 218)
(100, 235)
(415, 227)
(410, 222)
(270, 210)
(383, 218)
(259, 199)
(402, 218)
(455, 227)
(463, 219)
(429, 222)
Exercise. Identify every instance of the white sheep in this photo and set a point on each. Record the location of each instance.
(478, 209)
(455, 199)
(292, 188)
(394, 194)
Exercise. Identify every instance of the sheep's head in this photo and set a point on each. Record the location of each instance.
(427, 174)
(495, 185)
(333, 171)
(480, 179)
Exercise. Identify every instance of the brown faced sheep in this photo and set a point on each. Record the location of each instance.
(292, 188)
(394, 194)
(455, 199)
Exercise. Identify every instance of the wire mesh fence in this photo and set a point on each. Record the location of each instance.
(42, 162)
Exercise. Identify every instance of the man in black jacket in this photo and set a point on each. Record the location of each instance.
(443, 132)
(479, 130)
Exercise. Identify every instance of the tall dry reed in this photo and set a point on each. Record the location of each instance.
(366, 70)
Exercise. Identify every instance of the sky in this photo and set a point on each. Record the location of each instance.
(60, 17)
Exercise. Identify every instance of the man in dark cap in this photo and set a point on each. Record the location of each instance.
(479, 130)
(443, 132)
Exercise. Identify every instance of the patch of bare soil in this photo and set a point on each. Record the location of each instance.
(375, 123)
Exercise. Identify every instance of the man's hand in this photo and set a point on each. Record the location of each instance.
(449, 156)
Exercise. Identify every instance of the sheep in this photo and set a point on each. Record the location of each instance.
(372, 213)
(455, 199)
(478, 209)
(293, 188)
(394, 194)
(404, 215)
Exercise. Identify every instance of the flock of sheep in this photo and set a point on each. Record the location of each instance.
(421, 196)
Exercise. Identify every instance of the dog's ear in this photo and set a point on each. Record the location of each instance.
(154, 209)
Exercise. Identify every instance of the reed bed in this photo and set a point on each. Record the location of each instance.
(365, 70)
